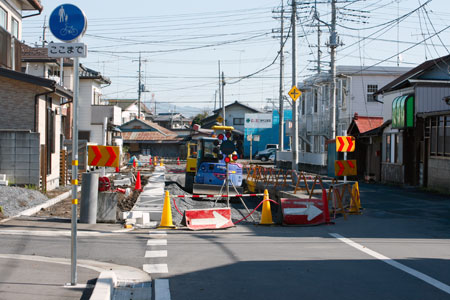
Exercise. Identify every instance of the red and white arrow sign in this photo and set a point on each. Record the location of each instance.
(311, 211)
(212, 218)
(303, 211)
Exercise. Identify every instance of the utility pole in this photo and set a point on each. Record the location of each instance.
(223, 99)
(319, 32)
(215, 99)
(333, 46)
(44, 29)
(220, 86)
(294, 83)
(140, 90)
(281, 106)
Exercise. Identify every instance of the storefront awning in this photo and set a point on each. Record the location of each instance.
(403, 112)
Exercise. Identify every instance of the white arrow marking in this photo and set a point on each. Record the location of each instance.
(218, 220)
(310, 210)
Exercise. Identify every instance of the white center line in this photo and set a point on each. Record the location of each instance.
(155, 268)
(440, 285)
(157, 243)
(156, 253)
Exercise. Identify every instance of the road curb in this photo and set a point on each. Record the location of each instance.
(104, 287)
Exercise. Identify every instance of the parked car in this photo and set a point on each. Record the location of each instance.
(264, 154)
(272, 157)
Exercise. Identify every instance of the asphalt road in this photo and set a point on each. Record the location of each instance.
(399, 248)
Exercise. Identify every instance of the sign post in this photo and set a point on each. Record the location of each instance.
(68, 23)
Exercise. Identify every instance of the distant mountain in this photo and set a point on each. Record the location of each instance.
(187, 111)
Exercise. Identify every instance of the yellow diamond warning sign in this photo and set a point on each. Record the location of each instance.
(294, 93)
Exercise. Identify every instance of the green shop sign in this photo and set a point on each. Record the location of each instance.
(403, 112)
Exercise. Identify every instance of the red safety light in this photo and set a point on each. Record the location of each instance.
(234, 157)
(220, 136)
(227, 159)
(228, 134)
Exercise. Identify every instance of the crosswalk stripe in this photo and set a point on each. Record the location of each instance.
(156, 253)
(157, 243)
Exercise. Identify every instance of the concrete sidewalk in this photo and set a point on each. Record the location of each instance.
(31, 279)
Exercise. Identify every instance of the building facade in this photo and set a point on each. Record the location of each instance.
(416, 144)
(354, 94)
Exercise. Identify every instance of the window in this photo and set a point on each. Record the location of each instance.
(96, 98)
(438, 131)
(371, 88)
(15, 28)
(303, 99)
(343, 92)
(316, 99)
(3, 18)
(238, 121)
(388, 148)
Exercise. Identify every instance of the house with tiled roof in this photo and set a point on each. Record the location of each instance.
(148, 138)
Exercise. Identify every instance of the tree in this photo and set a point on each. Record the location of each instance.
(199, 117)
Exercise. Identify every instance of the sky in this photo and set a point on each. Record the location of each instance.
(182, 42)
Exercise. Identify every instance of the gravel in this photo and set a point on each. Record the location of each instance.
(238, 210)
(14, 200)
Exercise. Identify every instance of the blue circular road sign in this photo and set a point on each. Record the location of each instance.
(67, 22)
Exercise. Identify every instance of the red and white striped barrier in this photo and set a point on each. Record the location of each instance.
(216, 196)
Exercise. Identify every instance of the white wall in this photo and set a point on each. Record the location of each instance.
(84, 104)
(235, 112)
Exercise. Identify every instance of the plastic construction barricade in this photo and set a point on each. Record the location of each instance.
(303, 211)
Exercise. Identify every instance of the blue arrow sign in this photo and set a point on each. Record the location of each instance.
(67, 22)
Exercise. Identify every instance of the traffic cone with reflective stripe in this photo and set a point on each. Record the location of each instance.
(166, 217)
(266, 216)
(138, 186)
(178, 161)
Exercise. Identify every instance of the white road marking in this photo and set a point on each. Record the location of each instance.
(157, 242)
(155, 268)
(56, 232)
(158, 234)
(156, 253)
(440, 285)
(162, 290)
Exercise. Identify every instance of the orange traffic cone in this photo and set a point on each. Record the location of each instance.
(178, 161)
(138, 186)
(266, 216)
(166, 217)
(134, 163)
(117, 170)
